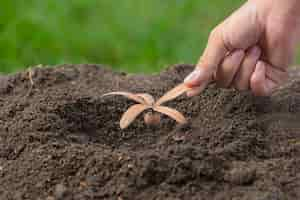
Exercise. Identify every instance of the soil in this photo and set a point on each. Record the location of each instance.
(60, 140)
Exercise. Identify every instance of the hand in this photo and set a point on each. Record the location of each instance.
(251, 49)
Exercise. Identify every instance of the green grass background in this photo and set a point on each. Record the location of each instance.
(129, 35)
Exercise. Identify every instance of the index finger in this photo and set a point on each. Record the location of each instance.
(214, 53)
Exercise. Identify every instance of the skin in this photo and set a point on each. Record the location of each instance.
(251, 49)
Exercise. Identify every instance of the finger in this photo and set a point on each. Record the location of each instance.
(277, 75)
(260, 84)
(242, 78)
(227, 70)
(195, 91)
(210, 60)
(280, 45)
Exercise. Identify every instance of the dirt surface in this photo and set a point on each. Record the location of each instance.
(60, 140)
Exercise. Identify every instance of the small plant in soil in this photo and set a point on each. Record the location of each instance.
(147, 102)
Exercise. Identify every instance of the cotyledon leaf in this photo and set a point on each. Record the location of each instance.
(173, 93)
(147, 98)
(174, 114)
(128, 95)
(131, 114)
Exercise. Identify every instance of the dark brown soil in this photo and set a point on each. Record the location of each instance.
(60, 140)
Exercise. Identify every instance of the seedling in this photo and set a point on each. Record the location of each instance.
(146, 101)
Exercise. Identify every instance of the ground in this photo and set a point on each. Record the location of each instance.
(60, 140)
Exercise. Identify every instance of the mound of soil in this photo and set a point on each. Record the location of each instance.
(60, 140)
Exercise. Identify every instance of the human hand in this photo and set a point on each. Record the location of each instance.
(251, 49)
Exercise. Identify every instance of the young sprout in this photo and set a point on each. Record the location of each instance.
(146, 101)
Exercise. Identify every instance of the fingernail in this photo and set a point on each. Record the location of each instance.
(239, 54)
(261, 67)
(255, 51)
(190, 94)
(193, 76)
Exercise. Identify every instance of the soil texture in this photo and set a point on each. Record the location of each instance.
(59, 140)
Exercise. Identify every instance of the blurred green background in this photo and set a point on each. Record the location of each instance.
(129, 35)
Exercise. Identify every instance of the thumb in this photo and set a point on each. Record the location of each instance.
(214, 53)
